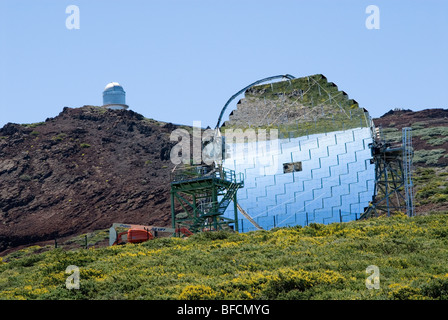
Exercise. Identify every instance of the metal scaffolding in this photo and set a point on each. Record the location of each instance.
(393, 176)
(407, 170)
(204, 193)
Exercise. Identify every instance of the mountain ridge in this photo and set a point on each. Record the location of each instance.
(80, 171)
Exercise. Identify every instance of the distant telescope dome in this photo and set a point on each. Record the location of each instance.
(114, 96)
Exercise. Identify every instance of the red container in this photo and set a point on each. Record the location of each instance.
(139, 235)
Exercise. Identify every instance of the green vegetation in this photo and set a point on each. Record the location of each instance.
(32, 125)
(59, 137)
(314, 262)
(321, 125)
(434, 136)
(429, 157)
(97, 109)
(85, 145)
(25, 177)
(430, 133)
(160, 123)
(431, 185)
(438, 141)
(311, 91)
(393, 134)
(327, 108)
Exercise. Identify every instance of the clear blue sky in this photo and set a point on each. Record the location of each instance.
(179, 61)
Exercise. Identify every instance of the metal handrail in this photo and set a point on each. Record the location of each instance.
(201, 172)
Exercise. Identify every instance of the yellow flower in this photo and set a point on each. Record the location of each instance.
(197, 292)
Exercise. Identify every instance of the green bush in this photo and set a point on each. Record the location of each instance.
(429, 157)
(440, 198)
(59, 137)
(33, 125)
(436, 287)
(218, 235)
(437, 141)
(404, 292)
(25, 177)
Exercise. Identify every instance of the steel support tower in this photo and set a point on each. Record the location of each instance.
(393, 176)
(204, 193)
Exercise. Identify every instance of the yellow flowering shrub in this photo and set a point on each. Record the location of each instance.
(314, 262)
(404, 292)
(197, 292)
(436, 287)
(287, 279)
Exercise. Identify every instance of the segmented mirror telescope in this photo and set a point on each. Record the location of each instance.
(303, 147)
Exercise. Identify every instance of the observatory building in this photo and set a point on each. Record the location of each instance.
(114, 97)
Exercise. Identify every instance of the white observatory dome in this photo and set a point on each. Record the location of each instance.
(114, 96)
(112, 84)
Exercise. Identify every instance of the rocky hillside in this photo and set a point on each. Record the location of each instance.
(430, 142)
(81, 171)
(429, 133)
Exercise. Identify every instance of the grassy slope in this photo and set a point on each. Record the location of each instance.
(431, 187)
(434, 136)
(315, 262)
(430, 179)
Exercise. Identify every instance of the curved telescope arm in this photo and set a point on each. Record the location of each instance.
(287, 76)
